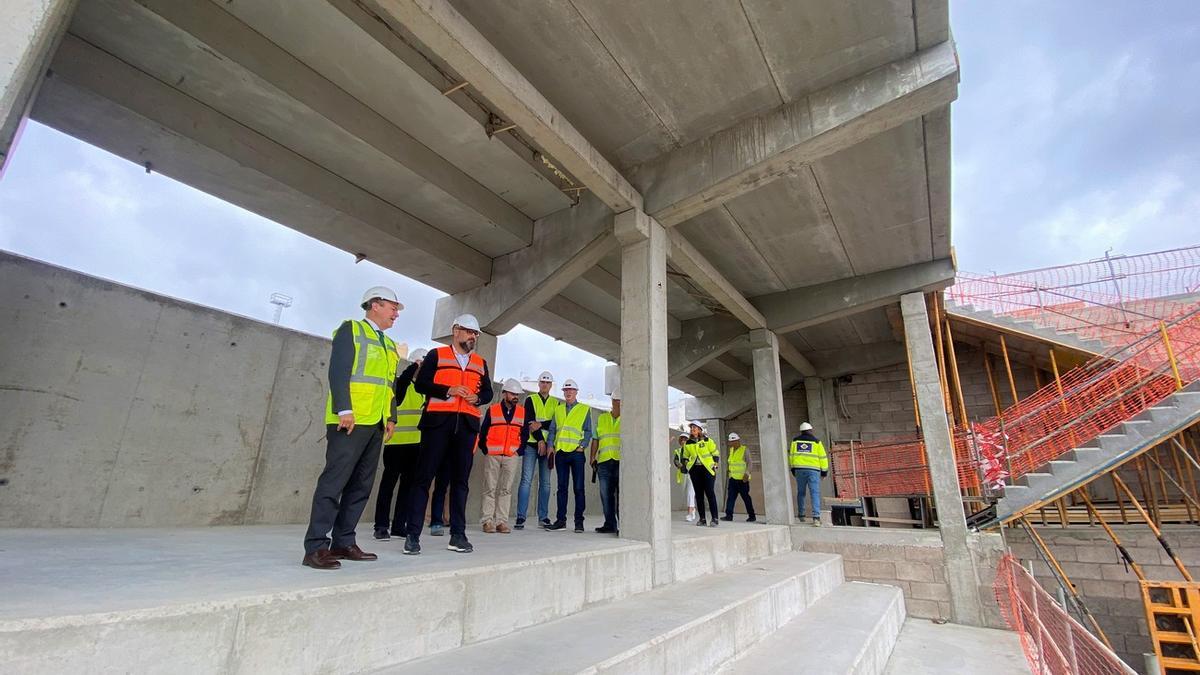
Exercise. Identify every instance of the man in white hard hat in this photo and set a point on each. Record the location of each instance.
(457, 382)
(360, 414)
(539, 409)
(502, 433)
(738, 466)
(400, 455)
(809, 464)
(570, 436)
(606, 458)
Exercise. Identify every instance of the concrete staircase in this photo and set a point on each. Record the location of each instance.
(1095, 457)
(1029, 328)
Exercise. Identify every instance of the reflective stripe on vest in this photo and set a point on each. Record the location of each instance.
(703, 451)
(808, 455)
(608, 433)
(372, 376)
(407, 417)
(543, 411)
(568, 426)
(737, 462)
(450, 374)
(504, 436)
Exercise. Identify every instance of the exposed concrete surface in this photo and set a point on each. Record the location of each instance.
(780, 506)
(682, 628)
(32, 30)
(857, 625)
(926, 647)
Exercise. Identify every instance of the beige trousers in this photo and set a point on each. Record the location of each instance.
(498, 473)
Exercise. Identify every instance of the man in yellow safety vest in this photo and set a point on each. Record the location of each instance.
(570, 435)
(360, 414)
(535, 455)
(400, 455)
(606, 458)
(738, 466)
(809, 464)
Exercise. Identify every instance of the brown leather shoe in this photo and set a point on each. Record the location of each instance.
(488, 528)
(321, 560)
(503, 528)
(352, 553)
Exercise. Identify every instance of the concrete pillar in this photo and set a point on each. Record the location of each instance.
(485, 346)
(645, 461)
(30, 31)
(939, 448)
(822, 414)
(716, 431)
(780, 506)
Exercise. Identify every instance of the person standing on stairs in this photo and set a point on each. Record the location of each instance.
(501, 434)
(457, 382)
(738, 466)
(360, 414)
(400, 455)
(680, 475)
(535, 455)
(700, 458)
(570, 436)
(809, 464)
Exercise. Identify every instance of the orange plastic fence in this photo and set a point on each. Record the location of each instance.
(1053, 641)
(1114, 299)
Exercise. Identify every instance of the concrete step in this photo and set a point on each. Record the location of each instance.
(693, 626)
(857, 624)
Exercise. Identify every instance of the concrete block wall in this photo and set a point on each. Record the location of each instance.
(1110, 590)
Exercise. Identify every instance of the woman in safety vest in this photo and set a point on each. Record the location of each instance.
(700, 458)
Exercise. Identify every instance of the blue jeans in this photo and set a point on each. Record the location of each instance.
(570, 466)
(609, 475)
(810, 478)
(528, 461)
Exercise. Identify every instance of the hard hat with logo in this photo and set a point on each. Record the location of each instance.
(467, 321)
(546, 376)
(570, 384)
(417, 354)
(381, 292)
(805, 426)
(734, 437)
(513, 387)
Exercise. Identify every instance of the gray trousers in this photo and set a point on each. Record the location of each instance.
(344, 486)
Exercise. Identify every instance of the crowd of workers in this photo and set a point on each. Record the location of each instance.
(429, 421)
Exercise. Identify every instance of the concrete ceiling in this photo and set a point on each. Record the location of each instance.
(325, 117)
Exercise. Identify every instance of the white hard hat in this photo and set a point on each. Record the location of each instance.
(417, 354)
(467, 321)
(805, 426)
(734, 437)
(513, 387)
(683, 433)
(616, 394)
(546, 376)
(570, 384)
(381, 292)
(696, 423)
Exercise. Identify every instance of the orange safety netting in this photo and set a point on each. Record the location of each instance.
(1114, 299)
(1053, 641)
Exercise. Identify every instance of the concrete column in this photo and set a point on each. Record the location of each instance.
(30, 31)
(716, 431)
(822, 414)
(485, 346)
(780, 507)
(645, 461)
(939, 448)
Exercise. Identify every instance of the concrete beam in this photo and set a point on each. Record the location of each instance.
(700, 341)
(566, 244)
(753, 152)
(608, 283)
(225, 35)
(31, 32)
(857, 359)
(737, 398)
(789, 353)
(731, 364)
(772, 428)
(792, 310)
(448, 36)
(698, 383)
(692, 263)
(645, 476)
(354, 221)
(943, 473)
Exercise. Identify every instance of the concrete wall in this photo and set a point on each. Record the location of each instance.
(129, 409)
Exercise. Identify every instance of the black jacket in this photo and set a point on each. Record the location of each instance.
(425, 385)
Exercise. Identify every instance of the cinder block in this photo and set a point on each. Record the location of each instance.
(929, 554)
(924, 609)
(877, 569)
(926, 591)
(915, 571)
(1096, 554)
(1116, 573)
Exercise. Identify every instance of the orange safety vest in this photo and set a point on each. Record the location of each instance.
(450, 374)
(504, 437)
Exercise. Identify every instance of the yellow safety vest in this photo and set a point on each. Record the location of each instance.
(608, 431)
(808, 455)
(543, 411)
(408, 415)
(372, 378)
(737, 463)
(568, 426)
(679, 461)
(703, 451)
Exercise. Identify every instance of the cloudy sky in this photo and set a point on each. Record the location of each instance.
(1074, 132)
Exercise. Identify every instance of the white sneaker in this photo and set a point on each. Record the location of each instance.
(692, 517)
